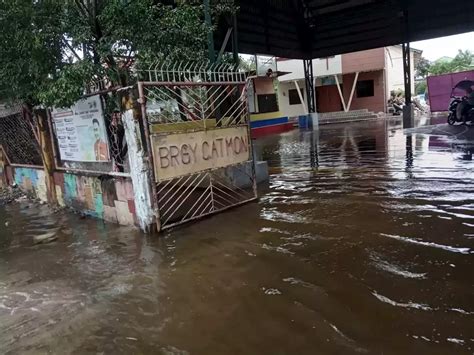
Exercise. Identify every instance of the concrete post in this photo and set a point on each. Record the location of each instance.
(139, 169)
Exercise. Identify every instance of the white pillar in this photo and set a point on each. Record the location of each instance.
(352, 91)
(340, 93)
(137, 158)
(301, 97)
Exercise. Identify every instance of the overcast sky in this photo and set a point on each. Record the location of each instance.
(445, 46)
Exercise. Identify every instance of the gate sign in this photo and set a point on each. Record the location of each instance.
(80, 131)
(187, 153)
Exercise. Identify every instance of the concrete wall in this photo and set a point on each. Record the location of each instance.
(321, 67)
(374, 103)
(284, 99)
(263, 86)
(394, 69)
(329, 80)
(327, 66)
(369, 60)
(108, 198)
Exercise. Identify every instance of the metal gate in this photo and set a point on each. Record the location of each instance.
(198, 135)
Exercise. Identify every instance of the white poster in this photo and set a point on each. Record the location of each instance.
(81, 131)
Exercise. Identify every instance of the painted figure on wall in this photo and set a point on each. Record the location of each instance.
(100, 146)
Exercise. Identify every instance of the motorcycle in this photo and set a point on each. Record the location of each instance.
(458, 96)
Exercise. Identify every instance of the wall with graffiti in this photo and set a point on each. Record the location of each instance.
(31, 181)
(104, 197)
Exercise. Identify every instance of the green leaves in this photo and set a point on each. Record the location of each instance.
(68, 85)
(464, 60)
(51, 50)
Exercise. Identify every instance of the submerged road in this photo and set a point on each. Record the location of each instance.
(362, 242)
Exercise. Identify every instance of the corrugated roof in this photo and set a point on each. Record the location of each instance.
(320, 28)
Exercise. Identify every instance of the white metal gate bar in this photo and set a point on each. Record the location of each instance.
(195, 106)
(167, 72)
(194, 196)
(191, 97)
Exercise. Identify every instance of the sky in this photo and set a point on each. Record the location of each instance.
(445, 46)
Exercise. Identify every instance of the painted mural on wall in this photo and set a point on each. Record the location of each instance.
(106, 198)
(32, 181)
(81, 131)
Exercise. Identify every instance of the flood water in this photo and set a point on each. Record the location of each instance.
(362, 242)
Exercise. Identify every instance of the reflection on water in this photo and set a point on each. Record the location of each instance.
(362, 242)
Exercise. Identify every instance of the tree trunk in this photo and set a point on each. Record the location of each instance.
(47, 154)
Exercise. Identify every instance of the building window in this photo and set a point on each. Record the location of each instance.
(267, 103)
(365, 88)
(294, 97)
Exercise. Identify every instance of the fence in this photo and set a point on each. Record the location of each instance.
(197, 129)
(440, 86)
(18, 136)
(192, 151)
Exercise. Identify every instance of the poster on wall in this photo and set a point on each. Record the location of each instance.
(81, 132)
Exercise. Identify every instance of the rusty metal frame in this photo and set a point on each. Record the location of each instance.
(27, 166)
(208, 191)
(238, 108)
(19, 111)
(231, 196)
(5, 154)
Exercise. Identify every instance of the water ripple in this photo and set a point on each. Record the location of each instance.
(449, 248)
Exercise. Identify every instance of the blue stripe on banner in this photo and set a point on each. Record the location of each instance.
(270, 122)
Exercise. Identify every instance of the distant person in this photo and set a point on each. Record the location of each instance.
(101, 149)
(464, 104)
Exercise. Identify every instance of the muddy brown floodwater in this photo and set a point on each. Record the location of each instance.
(362, 242)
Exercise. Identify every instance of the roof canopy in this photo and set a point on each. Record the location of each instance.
(320, 28)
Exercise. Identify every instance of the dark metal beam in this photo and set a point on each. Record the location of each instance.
(406, 72)
(309, 83)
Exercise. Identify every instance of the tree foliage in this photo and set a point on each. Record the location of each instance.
(422, 68)
(421, 87)
(464, 60)
(52, 49)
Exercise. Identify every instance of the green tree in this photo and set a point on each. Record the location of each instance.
(422, 68)
(420, 87)
(464, 60)
(53, 49)
(248, 64)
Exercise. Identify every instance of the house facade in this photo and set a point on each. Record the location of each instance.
(266, 110)
(352, 81)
